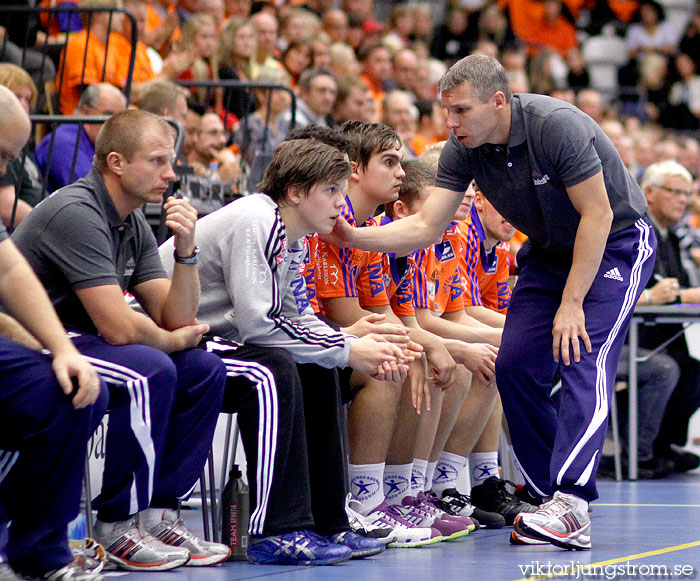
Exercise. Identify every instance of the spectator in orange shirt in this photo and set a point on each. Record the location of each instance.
(376, 65)
(86, 62)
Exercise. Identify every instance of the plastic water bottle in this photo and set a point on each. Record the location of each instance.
(77, 528)
(235, 512)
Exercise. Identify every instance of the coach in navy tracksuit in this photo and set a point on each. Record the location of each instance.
(551, 172)
(44, 426)
(88, 243)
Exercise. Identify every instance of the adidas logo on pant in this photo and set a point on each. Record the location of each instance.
(614, 273)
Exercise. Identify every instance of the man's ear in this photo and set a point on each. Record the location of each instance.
(355, 175)
(479, 202)
(294, 195)
(115, 162)
(401, 210)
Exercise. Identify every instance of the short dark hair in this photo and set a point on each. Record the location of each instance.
(302, 163)
(323, 134)
(308, 76)
(368, 139)
(418, 176)
(118, 134)
(484, 73)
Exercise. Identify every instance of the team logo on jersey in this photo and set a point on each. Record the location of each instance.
(448, 252)
(300, 296)
(614, 273)
(376, 279)
(540, 181)
(363, 487)
(395, 485)
(455, 284)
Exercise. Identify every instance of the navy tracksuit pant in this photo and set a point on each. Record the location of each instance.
(290, 423)
(163, 410)
(43, 442)
(559, 448)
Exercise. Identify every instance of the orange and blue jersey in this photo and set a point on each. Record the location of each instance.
(310, 271)
(349, 272)
(484, 275)
(398, 276)
(438, 280)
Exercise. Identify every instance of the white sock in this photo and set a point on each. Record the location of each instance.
(418, 476)
(447, 471)
(482, 465)
(429, 473)
(150, 517)
(518, 476)
(581, 505)
(366, 485)
(397, 482)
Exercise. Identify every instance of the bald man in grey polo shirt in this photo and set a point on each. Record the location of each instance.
(551, 172)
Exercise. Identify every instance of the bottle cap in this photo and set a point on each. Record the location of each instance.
(235, 472)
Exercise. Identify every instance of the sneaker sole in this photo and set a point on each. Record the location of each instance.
(523, 541)
(140, 566)
(367, 553)
(570, 543)
(207, 560)
(291, 561)
(458, 535)
(414, 544)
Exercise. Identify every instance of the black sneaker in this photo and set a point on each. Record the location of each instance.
(682, 459)
(457, 504)
(493, 496)
(522, 493)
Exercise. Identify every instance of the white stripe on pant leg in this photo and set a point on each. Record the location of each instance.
(268, 406)
(7, 461)
(530, 481)
(601, 409)
(140, 419)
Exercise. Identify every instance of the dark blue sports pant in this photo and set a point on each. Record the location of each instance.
(559, 448)
(163, 410)
(43, 442)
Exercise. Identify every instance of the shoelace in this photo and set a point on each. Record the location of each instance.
(459, 499)
(553, 508)
(395, 518)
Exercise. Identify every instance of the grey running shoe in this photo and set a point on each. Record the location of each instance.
(130, 547)
(558, 522)
(71, 572)
(172, 531)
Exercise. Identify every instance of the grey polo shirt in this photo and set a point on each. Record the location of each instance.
(552, 146)
(75, 239)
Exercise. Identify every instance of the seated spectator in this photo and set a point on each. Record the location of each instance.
(493, 26)
(86, 60)
(335, 25)
(237, 63)
(690, 41)
(50, 404)
(399, 113)
(344, 63)
(577, 78)
(376, 66)
(266, 28)
(212, 160)
(261, 131)
(553, 30)
(683, 110)
(431, 125)
(351, 101)
(276, 350)
(164, 98)
(400, 23)
(668, 188)
(66, 154)
(296, 59)
(422, 23)
(165, 395)
(316, 93)
(21, 187)
(199, 38)
(405, 69)
(590, 102)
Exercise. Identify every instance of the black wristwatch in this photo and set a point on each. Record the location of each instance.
(187, 259)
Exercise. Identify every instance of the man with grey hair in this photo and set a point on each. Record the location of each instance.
(668, 187)
(164, 98)
(68, 152)
(50, 404)
(552, 173)
(317, 90)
